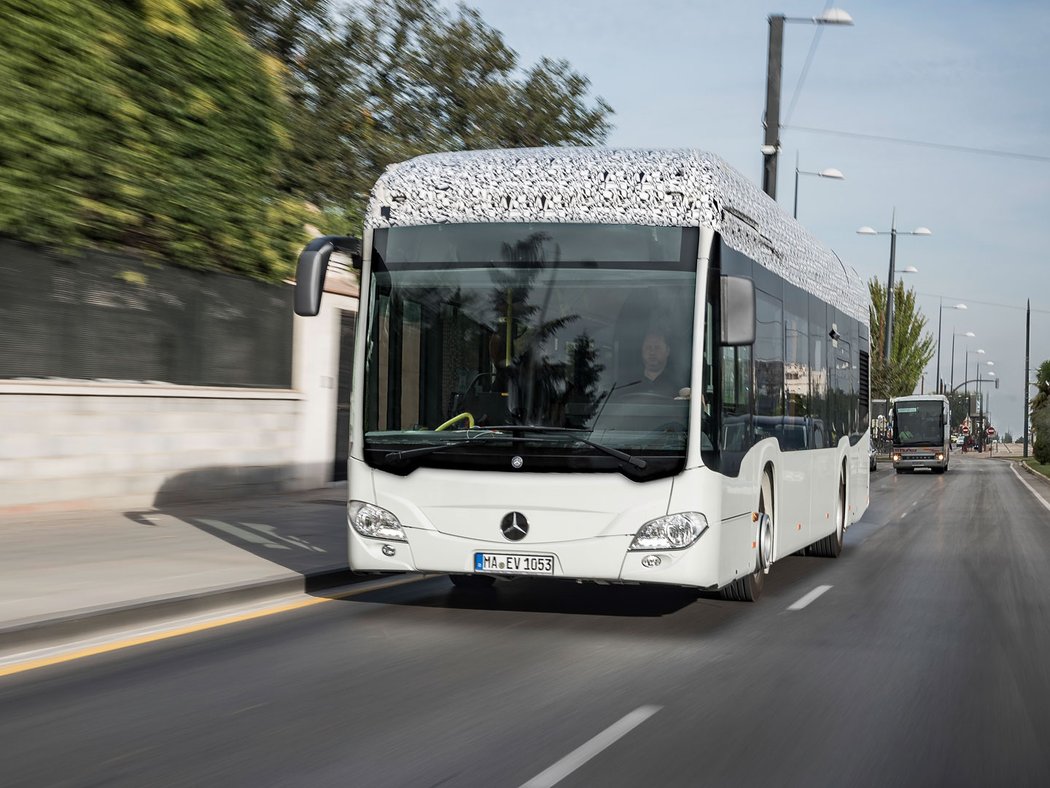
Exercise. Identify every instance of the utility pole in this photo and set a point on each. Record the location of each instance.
(774, 65)
(772, 120)
(888, 332)
(1027, 351)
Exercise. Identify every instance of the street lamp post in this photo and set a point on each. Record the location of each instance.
(940, 313)
(966, 367)
(893, 232)
(980, 396)
(774, 66)
(829, 172)
(951, 378)
(966, 374)
(982, 416)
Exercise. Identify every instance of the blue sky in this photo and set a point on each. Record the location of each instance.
(970, 74)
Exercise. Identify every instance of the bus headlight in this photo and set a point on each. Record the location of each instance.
(374, 522)
(896, 458)
(672, 532)
(940, 456)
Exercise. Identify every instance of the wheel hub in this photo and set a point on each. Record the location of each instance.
(765, 540)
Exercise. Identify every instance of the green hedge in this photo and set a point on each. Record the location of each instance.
(150, 126)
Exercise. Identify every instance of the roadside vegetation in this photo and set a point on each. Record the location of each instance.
(145, 127)
(913, 346)
(209, 134)
(1039, 467)
(1040, 410)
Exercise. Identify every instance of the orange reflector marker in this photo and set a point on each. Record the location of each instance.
(754, 545)
(754, 517)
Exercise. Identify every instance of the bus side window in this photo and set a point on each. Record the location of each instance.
(735, 400)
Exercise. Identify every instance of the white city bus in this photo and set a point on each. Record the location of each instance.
(507, 414)
(921, 432)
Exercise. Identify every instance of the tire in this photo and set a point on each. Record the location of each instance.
(749, 588)
(472, 582)
(831, 545)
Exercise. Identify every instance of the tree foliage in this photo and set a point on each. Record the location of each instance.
(912, 346)
(1040, 409)
(959, 403)
(389, 79)
(201, 132)
(150, 125)
(1041, 428)
(1042, 387)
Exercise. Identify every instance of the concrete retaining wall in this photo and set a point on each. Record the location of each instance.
(93, 444)
(85, 443)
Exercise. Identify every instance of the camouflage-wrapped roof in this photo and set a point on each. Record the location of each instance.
(680, 188)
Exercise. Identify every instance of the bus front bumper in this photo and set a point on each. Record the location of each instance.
(601, 559)
(919, 459)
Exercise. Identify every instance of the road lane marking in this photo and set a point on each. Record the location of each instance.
(1031, 489)
(578, 757)
(40, 658)
(808, 598)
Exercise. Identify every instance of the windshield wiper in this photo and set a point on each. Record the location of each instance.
(403, 454)
(496, 431)
(637, 462)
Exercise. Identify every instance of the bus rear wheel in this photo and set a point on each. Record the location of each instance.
(831, 546)
(749, 588)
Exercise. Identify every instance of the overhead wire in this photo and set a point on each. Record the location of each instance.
(805, 68)
(982, 303)
(922, 143)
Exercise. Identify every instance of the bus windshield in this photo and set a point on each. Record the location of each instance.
(918, 423)
(580, 333)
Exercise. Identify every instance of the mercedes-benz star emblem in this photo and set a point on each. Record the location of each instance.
(514, 526)
(516, 462)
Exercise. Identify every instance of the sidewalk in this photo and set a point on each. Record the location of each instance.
(64, 575)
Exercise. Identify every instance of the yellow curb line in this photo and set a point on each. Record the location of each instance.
(42, 662)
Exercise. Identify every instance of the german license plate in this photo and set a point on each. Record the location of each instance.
(509, 564)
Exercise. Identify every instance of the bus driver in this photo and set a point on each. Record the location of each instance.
(658, 375)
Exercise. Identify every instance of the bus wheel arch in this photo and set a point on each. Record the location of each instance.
(766, 522)
(749, 587)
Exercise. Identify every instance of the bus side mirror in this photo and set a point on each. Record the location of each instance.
(312, 266)
(738, 311)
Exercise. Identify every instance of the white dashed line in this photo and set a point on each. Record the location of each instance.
(808, 598)
(578, 757)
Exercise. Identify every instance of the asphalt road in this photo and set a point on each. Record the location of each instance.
(924, 663)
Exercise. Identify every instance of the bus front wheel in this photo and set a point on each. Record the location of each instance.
(749, 588)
